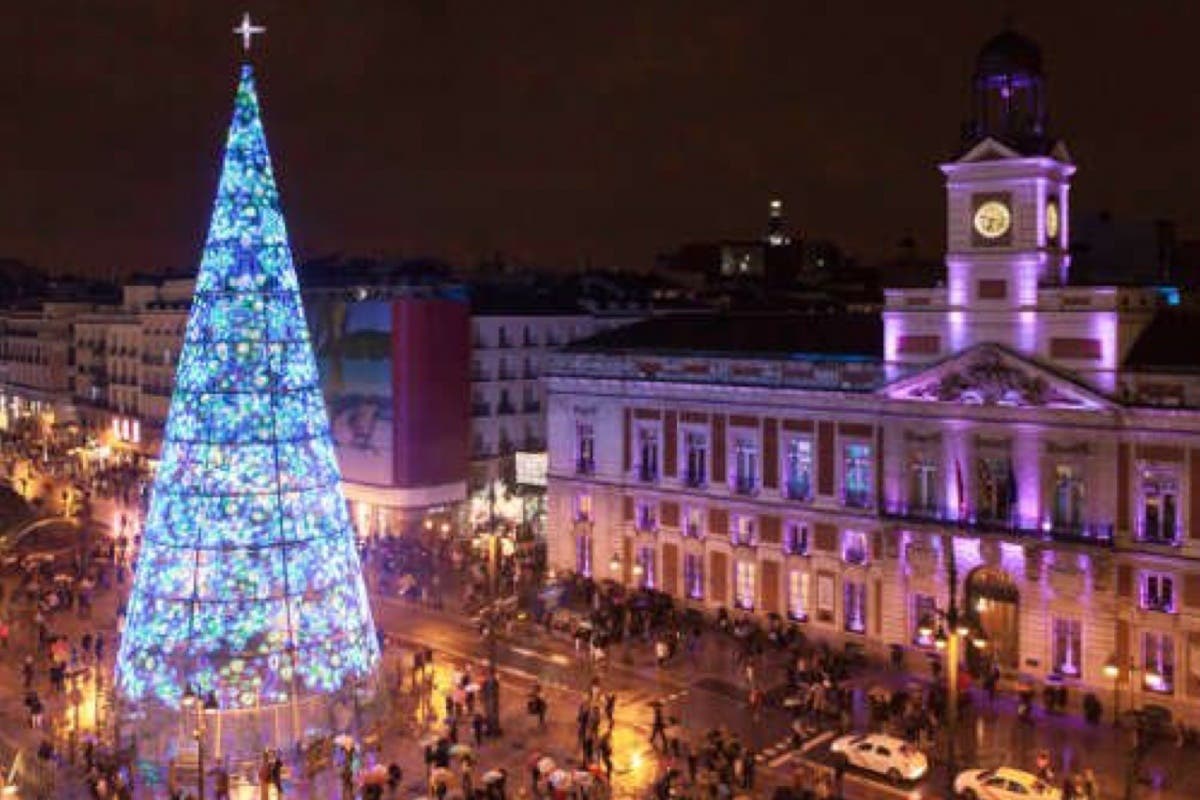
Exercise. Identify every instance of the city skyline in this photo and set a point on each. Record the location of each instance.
(542, 136)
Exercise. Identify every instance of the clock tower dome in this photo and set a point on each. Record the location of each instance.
(1007, 192)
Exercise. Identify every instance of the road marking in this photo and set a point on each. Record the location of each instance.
(782, 750)
(816, 740)
(554, 658)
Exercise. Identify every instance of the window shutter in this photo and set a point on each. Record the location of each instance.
(1191, 590)
(669, 514)
(770, 469)
(718, 522)
(1124, 581)
(719, 473)
(825, 458)
(770, 586)
(670, 443)
(825, 537)
(769, 529)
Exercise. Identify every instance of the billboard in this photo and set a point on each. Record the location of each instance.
(352, 342)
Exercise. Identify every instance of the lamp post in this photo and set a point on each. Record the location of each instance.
(190, 702)
(952, 630)
(1113, 670)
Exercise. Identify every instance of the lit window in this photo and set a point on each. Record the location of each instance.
(923, 494)
(585, 448)
(745, 477)
(1158, 660)
(924, 616)
(648, 454)
(798, 594)
(855, 596)
(583, 507)
(693, 522)
(1068, 498)
(693, 575)
(795, 539)
(645, 558)
(583, 555)
(697, 458)
(857, 476)
(745, 588)
(1158, 592)
(1068, 647)
(797, 477)
(1159, 518)
(996, 490)
(647, 515)
(854, 547)
(745, 531)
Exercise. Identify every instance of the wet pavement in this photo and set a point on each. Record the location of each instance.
(701, 692)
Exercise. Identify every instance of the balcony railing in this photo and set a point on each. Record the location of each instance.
(647, 473)
(1160, 605)
(1158, 532)
(798, 490)
(1094, 533)
(506, 408)
(856, 498)
(480, 409)
(696, 479)
(531, 407)
(585, 466)
(745, 484)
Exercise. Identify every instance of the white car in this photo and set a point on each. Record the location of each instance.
(1003, 783)
(886, 755)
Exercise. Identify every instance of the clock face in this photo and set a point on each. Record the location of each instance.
(992, 219)
(1052, 220)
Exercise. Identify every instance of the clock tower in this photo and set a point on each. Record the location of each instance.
(1007, 193)
(1007, 241)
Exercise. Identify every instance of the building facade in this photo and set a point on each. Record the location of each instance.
(1023, 447)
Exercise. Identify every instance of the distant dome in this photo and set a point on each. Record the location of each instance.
(1009, 53)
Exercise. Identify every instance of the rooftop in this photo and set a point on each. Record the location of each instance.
(1168, 342)
(838, 336)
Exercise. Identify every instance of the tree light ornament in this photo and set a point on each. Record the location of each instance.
(248, 564)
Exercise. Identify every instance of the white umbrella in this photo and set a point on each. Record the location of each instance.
(560, 779)
(492, 776)
(545, 764)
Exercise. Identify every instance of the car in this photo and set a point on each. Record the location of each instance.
(1003, 783)
(887, 755)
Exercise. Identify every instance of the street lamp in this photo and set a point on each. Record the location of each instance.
(190, 702)
(1113, 670)
(953, 629)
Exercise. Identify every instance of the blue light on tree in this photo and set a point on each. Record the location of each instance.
(248, 583)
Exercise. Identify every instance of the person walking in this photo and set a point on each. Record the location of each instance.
(606, 755)
(658, 729)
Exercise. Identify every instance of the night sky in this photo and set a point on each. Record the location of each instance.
(561, 132)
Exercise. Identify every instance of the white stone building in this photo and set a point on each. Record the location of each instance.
(825, 468)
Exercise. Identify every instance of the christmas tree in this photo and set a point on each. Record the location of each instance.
(248, 583)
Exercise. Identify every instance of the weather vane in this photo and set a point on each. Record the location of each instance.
(247, 30)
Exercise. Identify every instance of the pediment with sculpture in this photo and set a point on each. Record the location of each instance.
(988, 375)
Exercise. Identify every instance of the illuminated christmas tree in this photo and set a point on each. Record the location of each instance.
(248, 583)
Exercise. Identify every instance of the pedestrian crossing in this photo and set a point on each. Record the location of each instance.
(778, 753)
